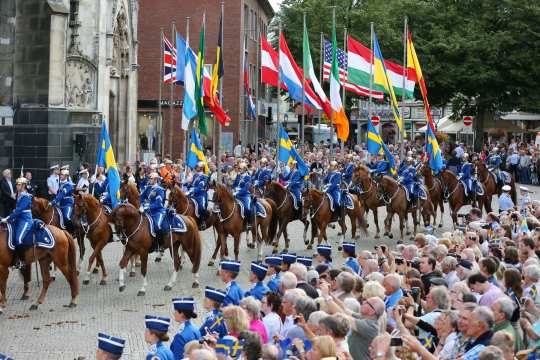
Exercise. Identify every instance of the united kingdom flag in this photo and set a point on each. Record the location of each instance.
(169, 61)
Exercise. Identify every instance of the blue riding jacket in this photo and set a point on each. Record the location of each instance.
(21, 217)
(494, 160)
(348, 173)
(261, 176)
(333, 182)
(198, 190)
(295, 183)
(153, 198)
(100, 187)
(241, 191)
(382, 167)
(64, 199)
(408, 179)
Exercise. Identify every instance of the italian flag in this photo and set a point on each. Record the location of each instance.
(358, 68)
(338, 112)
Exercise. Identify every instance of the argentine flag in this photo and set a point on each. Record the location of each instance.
(189, 110)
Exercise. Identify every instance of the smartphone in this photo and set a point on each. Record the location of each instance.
(415, 292)
(398, 342)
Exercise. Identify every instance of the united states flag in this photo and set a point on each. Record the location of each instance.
(169, 62)
(343, 74)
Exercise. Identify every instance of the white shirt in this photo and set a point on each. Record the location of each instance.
(53, 182)
(11, 188)
(83, 184)
(288, 324)
(451, 278)
(272, 323)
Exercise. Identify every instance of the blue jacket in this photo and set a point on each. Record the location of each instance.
(334, 180)
(352, 263)
(199, 184)
(295, 181)
(180, 340)
(467, 170)
(258, 291)
(273, 283)
(382, 167)
(262, 176)
(409, 175)
(160, 351)
(23, 210)
(495, 160)
(234, 294)
(243, 184)
(347, 176)
(155, 198)
(64, 197)
(214, 323)
(100, 187)
(402, 167)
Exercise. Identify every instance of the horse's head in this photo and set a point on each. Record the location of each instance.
(39, 207)
(124, 216)
(221, 194)
(360, 173)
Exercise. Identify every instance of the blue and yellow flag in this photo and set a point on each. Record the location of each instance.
(433, 150)
(105, 159)
(196, 152)
(287, 152)
(376, 146)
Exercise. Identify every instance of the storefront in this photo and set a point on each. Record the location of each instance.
(149, 130)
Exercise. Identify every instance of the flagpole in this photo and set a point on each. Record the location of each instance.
(218, 138)
(403, 94)
(257, 79)
(303, 121)
(160, 91)
(171, 106)
(321, 76)
(371, 74)
(331, 108)
(343, 85)
(278, 95)
(185, 145)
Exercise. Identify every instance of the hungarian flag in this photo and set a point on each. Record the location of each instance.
(338, 112)
(218, 68)
(309, 73)
(199, 92)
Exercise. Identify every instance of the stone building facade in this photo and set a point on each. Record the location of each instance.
(65, 67)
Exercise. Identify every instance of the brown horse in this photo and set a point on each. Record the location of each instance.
(395, 198)
(284, 212)
(456, 193)
(63, 255)
(230, 222)
(91, 214)
(317, 204)
(491, 186)
(435, 191)
(367, 193)
(185, 206)
(356, 215)
(133, 228)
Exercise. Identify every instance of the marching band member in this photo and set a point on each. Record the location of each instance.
(109, 347)
(505, 200)
(214, 323)
(274, 270)
(349, 252)
(228, 272)
(155, 335)
(256, 276)
(286, 260)
(184, 311)
(324, 254)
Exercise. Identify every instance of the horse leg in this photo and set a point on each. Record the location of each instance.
(158, 256)
(45, 272)
(415, 221)
(343, 227)
(236, 246)
(123, 263)
(104, 274)
(27, 277)
(71, 278)
(388, 225)
(4, 273)
(306, 226)
(287, 239)
(82, 249)
(144, 267)
(441, 208)
(176, 259)
(401, 218)
(376, 219)
(133, 264)
(259, 240)
(354, 219)
(218, 247)
(322, 233)
(314, 228)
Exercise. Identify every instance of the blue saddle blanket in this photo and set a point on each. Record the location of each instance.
(43, 236)
(171, 222)
(347, 200)
(261, 211)
(421, 192)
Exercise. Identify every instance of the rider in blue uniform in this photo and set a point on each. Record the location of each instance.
(409, 180)
(262, 175)
(332, 183)
(21, 218)
(100, 185)
(494, 161)
(241, 186)
(184, 311)
(64, 199)
(214, 322)
(152, 200)
(198, 192)
(348, 170)
(468, 178)
(381, 167)
(294, 183)
(256, 275)
(156, 336)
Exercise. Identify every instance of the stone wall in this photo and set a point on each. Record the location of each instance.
(7, 48)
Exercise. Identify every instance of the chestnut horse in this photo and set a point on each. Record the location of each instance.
(366, 189)
(435, 191)
(94, 221)
(133, 229)
(455, 191)
(395, 198)
(491, 186)
(317, 204)
(284, 212)
(184, 206)
(63, 255)
(230, 222)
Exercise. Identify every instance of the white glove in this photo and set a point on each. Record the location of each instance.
(4, 220)
(141, 209)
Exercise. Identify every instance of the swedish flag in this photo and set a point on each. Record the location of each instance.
(434, 151)
(105, 158)
(376, 146)
(196, 152)
(287, 152)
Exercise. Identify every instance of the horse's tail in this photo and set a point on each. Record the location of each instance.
(72, 254)
(196, 244)
(272, 229)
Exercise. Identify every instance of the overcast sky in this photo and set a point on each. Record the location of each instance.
(275, 4)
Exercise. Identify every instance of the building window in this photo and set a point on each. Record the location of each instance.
(246, 18)
(149, 134)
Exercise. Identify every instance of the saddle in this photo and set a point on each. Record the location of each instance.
(259, 208)
(60, 216)
(421, 194)
(39, 232)
(172, 222)
(347, 199)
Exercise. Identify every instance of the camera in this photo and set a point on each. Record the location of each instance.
(415, 293)
(485, 226)
(395, 341)
(400, 261)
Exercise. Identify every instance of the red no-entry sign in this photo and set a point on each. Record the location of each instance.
(375, 120)
(467, 120)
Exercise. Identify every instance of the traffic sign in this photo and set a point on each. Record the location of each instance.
(467, 120)
(375, 120)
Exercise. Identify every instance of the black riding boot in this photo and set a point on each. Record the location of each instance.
(202, 218)
(20, 253)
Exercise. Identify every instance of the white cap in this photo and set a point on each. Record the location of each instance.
(21, 180)
(153, 175)
(522, 188)
(200, 164)
(506, 188)
(333, 163)
(264, 160)
(242, 165)
(54, 167)
(64, 172)
(83, 171)
(465, 155)
(168, 161)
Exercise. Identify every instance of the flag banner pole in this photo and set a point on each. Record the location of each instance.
(371, 75)
(343, 85)
(321, 76)
(303, 121)
(171, 104)
(185, 144)
(160, 118)
(217, 149)
(332, 109)
(257, 79)
(278, 96)
(403, 94)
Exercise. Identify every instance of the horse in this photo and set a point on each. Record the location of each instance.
(455, 191)
(185, 206)
(356, 215)
(91, 214)
(491, 185)
(230, 222)
(63, 255)
(395, 198)
(366, 189)
(317, 204)
(133, 229)
(284, 212)
(435, 191)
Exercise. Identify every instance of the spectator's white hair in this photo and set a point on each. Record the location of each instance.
(532, 271)
(440, 297)
(300, 270)
(293, 295)
(288, 281)
(375, 276)
(203, 354)
(366, 254)
(451, 262)
(352, 304)
(506, 305)
(393, 280)
(316, 316)
(491, 352)
(484, 315)
(373, 289)
(345, 281)
(252, 306)
(412, 250)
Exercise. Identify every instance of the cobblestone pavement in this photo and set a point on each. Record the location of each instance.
(56, 332)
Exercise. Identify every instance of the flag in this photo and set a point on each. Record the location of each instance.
(287, 152)
(250, 105)
(376, 146)
(169, 61)
(196, 152)
(381, 76)
(412, 62)
(218, 67)
(180, 59)
(292, 76)
(338, 112)
(189, 109)
(106, 160)
(433, 150)
(309, 74)
(199, 91)
(358, 88)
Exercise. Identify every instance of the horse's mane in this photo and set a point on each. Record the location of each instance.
(390, 179)
(277, 186)
(90, 199)
(223, 191)
(363, 167)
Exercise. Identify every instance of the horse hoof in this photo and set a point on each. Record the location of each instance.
(367, 225)
(34, 307)
(391, 236)
(377, 236)
(195, 285)
(211, 263)
(86, 282)
(138, 263)
(167, 288)
(132, 274)
(408, 233)
(180, 267)
(72, 305)
(122, 288)
(158, 259)
(25, 297)
(95, 271)
(141, 293)
(103, 282)
(340, 248)
(217, 273)
(440, 225)
(53, 278)
(274, 251)
(309, 247)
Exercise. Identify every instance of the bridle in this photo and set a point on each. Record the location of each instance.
(218, 209)
(87, 227)
(387, 200)
(121, 228)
